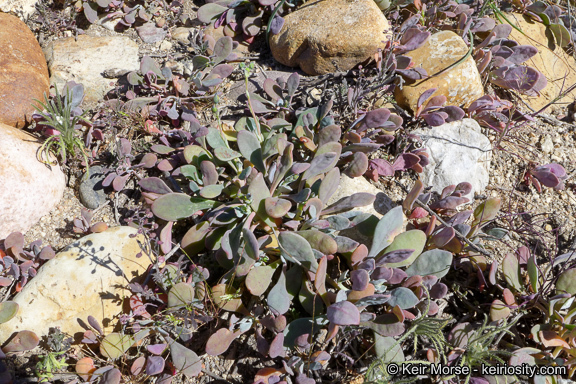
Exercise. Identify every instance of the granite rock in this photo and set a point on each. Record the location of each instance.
(30, 189)
(330, 35)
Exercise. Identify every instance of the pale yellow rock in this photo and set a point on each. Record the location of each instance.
(558, 67)
(330, 35)
(460, 84)
(87, 278)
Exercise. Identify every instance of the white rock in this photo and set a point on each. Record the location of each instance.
(29, 189)
(547, 145)
(85, 60)
(21, 8)
(458, 152)
(349, 186)
(87, 278)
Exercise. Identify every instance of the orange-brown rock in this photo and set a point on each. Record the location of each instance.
(558, 67)
(23, 72)
(330, 35)
(461, 84)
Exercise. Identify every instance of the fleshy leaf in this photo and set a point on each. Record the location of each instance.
(433, 262)
(176, 206)
(296, 249)
(343, 313)
(403, 297)
(389, 226)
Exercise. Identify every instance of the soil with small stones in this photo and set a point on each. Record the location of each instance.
(546, 219)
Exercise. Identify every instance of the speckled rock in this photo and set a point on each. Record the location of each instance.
(558, 67)
(381, 206)
(182, 34)
(87, 278)
(460, 84)
(29, 189)
(85, 60)
(91, 190)
(349, 186)
(20, 8)
(23, 71)
(330, 35)
(458, 152)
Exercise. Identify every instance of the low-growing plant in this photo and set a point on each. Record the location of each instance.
(60, 118)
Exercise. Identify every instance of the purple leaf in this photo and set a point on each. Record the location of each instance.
(210, 11)
(360, 279)
(394, 256)
(502, 31)
(157, 349)
(95, 324)
(425, 96)
(343, 313)
(454, 113)
(376, 118)
(383, 167)
(484, 24)
(521, 53)
(438, 291)
(277, 346)
(397, 276)
(546, 177)
(276, 25)
(442, 238)
(450, 202)
(154, 365)
(154, 185)
(405, 161)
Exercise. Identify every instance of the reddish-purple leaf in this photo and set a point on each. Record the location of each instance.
(157, 349)
(343, 313)
(425, 96)
(154, 365)
(394, 256)
(360, 279)
(277, 346)
(154, 185)
(138, 366)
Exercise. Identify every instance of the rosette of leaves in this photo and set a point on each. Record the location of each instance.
(124, 169)
(434, 112)
(560, 23)
(502, 58)
(19, 264)
(550, 175)
(495, 113)
(241, 18)
(118, 10)
(158, 93)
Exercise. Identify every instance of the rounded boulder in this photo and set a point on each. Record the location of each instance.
(330, 35)
(23, 72)
(29, 188)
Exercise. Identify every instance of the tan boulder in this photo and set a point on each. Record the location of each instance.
(23, 72)
(29, 189)
(558, 67)
(84, 60)
(330, 35)
(461, 84)
(88, 278)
